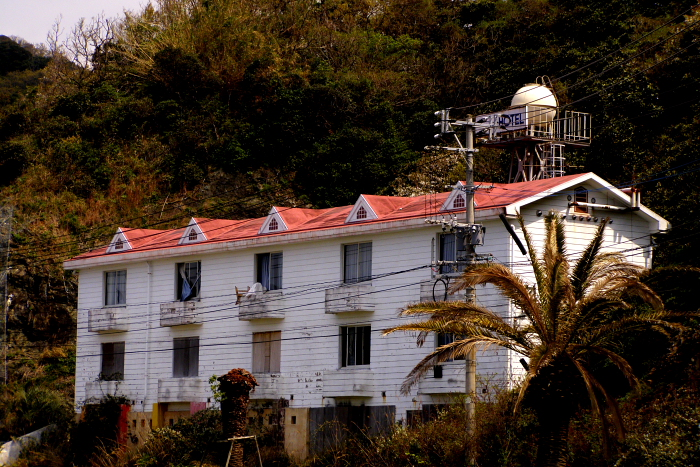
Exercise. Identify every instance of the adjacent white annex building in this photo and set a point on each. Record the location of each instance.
(160, 312)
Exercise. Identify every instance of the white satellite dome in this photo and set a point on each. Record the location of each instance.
(534, 94)
(541, 105)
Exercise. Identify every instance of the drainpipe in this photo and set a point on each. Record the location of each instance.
(148, 336)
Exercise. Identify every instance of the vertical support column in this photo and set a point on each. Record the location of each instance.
(470, 360)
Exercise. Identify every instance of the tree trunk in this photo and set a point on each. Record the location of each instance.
(236, 386)
(554, 434)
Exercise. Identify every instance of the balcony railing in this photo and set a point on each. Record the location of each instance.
(96, 391)
(348, 382)
(346, 298)
(261, 305)
(178, 313)
(194, 389)
(107, 319)
(270, 386)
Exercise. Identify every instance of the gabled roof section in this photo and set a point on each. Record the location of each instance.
(361, 211)
(457, 199)
(192, 234)
(119, 243)
(273, 223)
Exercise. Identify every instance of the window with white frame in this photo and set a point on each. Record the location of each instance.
(115, 288)
(268, 268)
(112, 367)
(355, 345)
(357, 264)
(188, 280)
(267, 347)
(185, 357)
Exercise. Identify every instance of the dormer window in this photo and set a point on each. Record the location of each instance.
(459, 202)
(362, 211)
(581, 196)
(273, 223)
(119, 243)
(192, 234)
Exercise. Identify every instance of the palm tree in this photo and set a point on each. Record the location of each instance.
(573, 318)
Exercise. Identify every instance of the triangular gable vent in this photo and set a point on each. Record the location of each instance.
(362, 211)
(119, 243)
(273, 223)
(193, 234)
(456, 200)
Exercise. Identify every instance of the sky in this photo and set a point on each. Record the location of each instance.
(33, 19)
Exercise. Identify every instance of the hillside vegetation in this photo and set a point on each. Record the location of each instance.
(221, 108)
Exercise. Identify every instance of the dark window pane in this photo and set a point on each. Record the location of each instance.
(355, 345)
(188, 277)
(275, 271)
(112, 361)
(351, 257)
(115, 288)
(185, 357)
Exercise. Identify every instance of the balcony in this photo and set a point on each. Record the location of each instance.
(194, 389)
(107, 319)
(435, 289)
(452, 380)
(178, 313)
(95, 391)
(346, 298)
(270, 386)
(261, 305)
(348, 382)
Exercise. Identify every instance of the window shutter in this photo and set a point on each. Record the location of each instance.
(275, 351)
(259, 352)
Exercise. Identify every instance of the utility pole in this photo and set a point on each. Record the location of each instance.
(470, 359)
(471, 232)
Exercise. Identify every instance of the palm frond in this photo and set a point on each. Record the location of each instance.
(540, 276)
(582, 269)
(621, 363)
(510, 285)
(458, 348)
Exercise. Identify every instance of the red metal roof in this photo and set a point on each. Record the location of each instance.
(298, 220)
